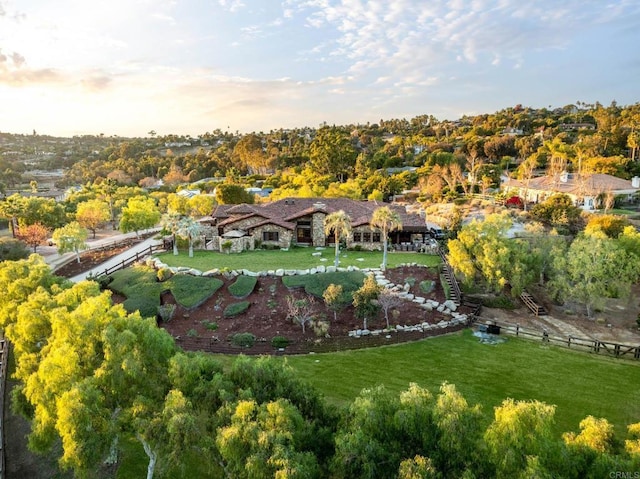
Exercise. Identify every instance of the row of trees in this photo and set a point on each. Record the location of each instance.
(352, 160)
(94, 378)
(601, 262)
(35, 220)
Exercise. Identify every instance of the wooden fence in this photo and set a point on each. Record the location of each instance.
(596, 346)
(4, 359)
(130, 260)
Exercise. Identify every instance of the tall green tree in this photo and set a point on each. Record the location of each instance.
(595, 267)
(265, 441)
(387, 220)
(337, 224)
(331, 153)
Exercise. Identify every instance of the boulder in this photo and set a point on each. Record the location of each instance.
(321, 269)
(279, 272)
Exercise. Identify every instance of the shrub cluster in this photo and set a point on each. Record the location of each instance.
(236, 308)
(244, 340)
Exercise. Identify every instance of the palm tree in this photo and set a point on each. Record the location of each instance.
(339, 223)
(387, 220)
(171, 224)
(189, 229)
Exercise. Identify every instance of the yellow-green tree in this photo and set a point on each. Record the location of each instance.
(71, 238)
(93, 214)
(140, 213)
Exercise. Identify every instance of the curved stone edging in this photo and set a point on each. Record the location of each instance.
(448, 307)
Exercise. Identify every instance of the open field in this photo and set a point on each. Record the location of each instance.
(294, 258)
(578, 383)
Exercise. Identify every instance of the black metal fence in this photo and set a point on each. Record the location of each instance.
(345, 343)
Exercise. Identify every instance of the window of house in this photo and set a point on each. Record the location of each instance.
(357, 237)
(366, 237)
(270, 236)
(376, 237)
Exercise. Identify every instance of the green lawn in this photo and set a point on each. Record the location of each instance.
(578, 383)
(295, 258)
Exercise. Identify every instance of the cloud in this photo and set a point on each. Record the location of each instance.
(232, 5)
(407, 35)
(14, 72)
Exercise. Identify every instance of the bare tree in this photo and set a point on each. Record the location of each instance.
(387, 300)
(300, 311)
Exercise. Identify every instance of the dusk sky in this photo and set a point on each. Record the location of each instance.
(125, 67)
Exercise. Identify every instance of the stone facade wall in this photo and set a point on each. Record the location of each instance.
(238, 245)
(365, 245)
(285, 236)
(317, 229)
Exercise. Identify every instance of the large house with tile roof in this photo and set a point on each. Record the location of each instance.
(300, 221)
(584, 190)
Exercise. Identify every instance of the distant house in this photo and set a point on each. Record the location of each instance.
(187, 193)
(300, 221)
(512, 132)
(584, 190)
(577, 126)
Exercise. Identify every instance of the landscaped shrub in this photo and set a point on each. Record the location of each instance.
(12, 249)
(279, 342)
(445, 287)
(166, 311)
(243, 286)
(236, 308)
(146, 304)
(320, 328)
(164, 274)
(211, 325)
(244, 340)
(502, 302)
(427, 286)
(192, 333)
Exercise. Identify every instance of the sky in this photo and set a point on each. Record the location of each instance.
(129, 67)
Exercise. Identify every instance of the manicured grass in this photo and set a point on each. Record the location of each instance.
(316, 284)
(578, 383)
(236, 308)
(295, 258)
(243, 286)
(139, 284)
(618, 211)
